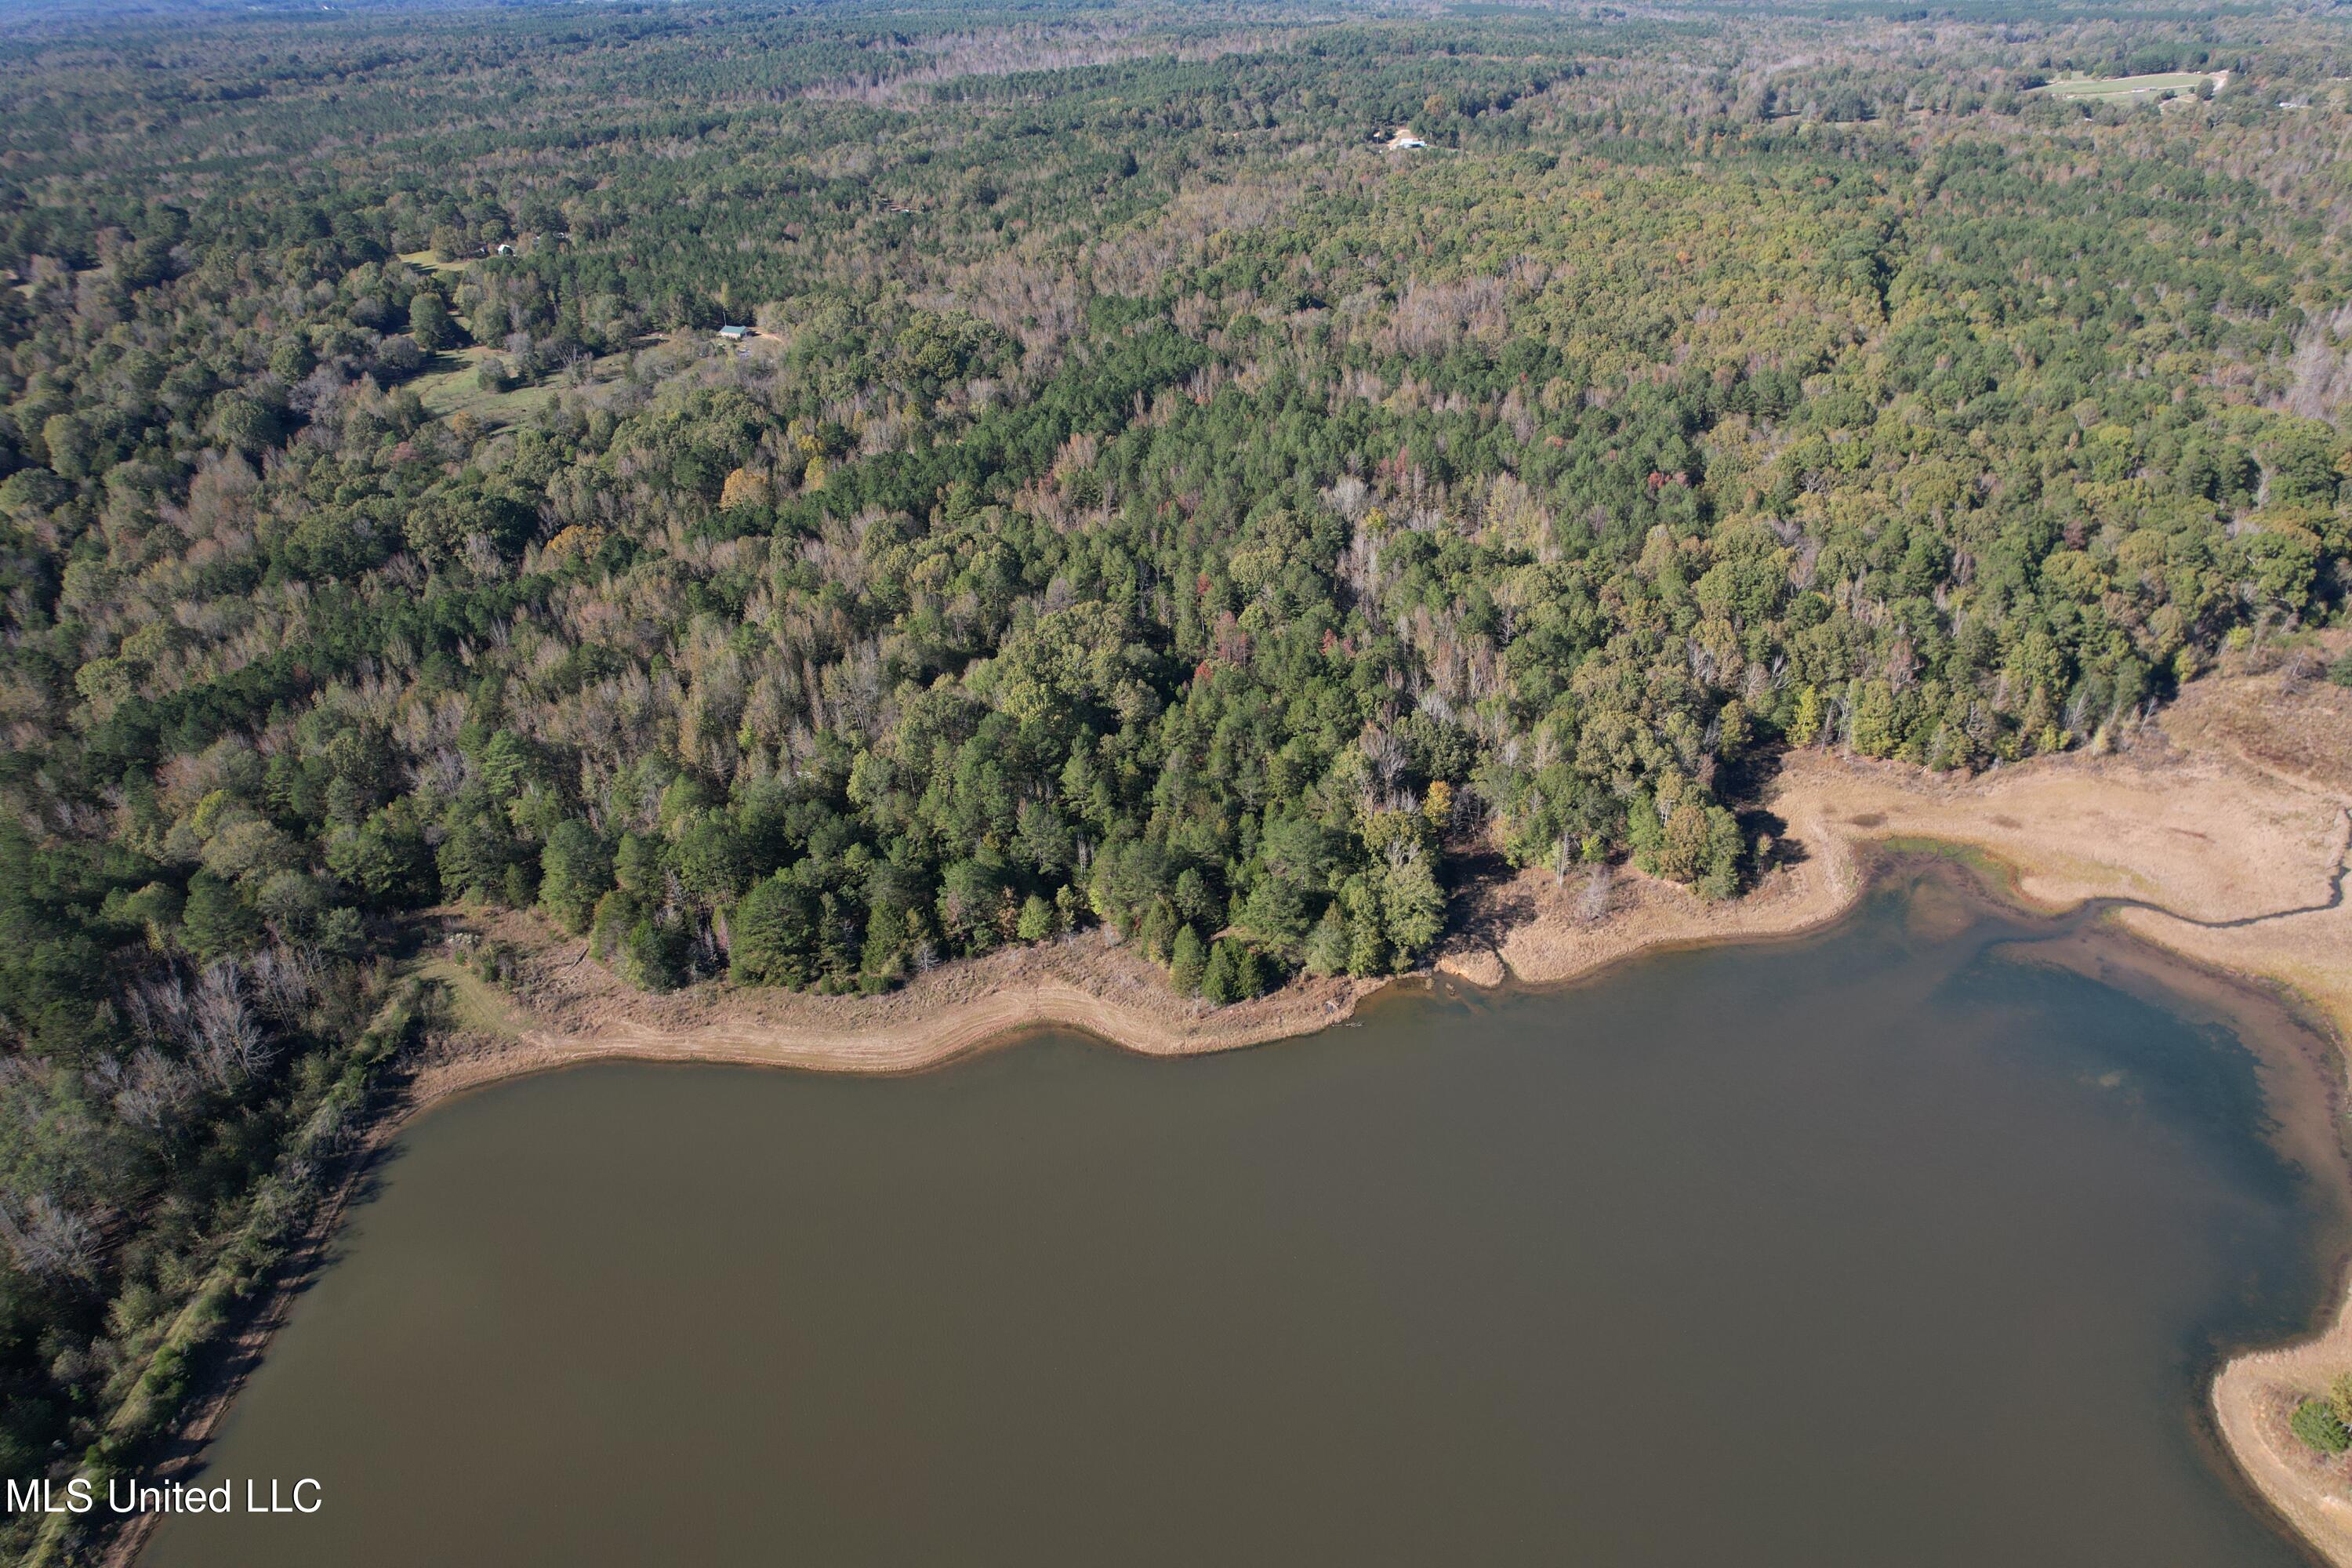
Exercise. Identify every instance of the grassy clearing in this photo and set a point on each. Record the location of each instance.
(423, 262)
(454, 386)
(477, 1005)
(2175, 82)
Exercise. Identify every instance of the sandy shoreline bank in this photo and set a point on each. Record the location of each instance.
(2208, 815)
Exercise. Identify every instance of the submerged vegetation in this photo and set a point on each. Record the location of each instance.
(1145, 498)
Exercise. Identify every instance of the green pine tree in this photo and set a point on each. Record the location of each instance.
(1326, 944)
(1186, 962)
(1037, 919)
(1217, 978)
(1249, 973)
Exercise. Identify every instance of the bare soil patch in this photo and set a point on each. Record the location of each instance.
(566, 1007)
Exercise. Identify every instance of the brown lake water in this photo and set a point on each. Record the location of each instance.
(1900, 1245)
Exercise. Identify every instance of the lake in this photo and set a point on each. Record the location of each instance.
(1912, 1242)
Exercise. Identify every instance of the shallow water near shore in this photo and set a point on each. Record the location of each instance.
(1915, 1241)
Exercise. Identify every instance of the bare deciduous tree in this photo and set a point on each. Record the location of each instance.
(1594, 902)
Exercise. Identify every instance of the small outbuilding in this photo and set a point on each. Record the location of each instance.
(734, 334)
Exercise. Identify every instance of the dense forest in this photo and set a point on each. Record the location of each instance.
(1145, 499)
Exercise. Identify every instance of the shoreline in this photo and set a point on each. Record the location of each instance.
(241, 1351)
(2219, 854)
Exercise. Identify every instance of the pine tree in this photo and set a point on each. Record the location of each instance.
(216, 923)
(1413, 907)
(1037, 919)
(1217, 978)
(1249, 973)
(574, 872)
(1326, 944)
(884, 958)
(773, 935)
(1186, 962)
(1805, 728)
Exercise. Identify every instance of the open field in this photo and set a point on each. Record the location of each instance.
(453, 387)
(2167, 82)
(476, 1005)
(423, 262)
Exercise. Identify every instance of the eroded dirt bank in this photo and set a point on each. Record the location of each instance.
(2223, 842)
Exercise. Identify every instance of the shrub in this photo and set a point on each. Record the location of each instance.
(2319, 1427)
